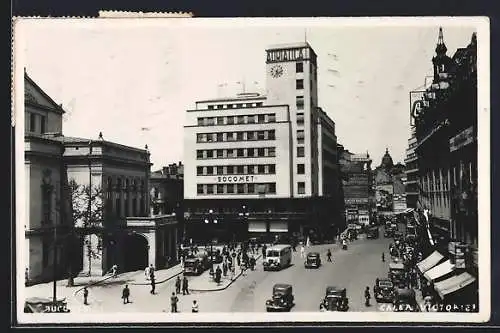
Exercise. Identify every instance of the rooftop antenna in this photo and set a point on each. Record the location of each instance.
(305, 35)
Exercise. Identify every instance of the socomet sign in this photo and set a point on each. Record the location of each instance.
(236, 179)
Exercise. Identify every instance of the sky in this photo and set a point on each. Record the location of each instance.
(133, 80)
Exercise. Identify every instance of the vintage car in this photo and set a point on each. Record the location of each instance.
(45, 305)
(388, 232)
(384, 290)
(372, 233)
(282, 299)
(405, 301)
(313, 259)
(335, 299)
(196, 264)
(397, 273)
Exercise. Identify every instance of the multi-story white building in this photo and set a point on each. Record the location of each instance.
(263, 159)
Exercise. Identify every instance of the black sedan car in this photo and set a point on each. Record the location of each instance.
(313, 260)
(384, 290)
(335, 299)
(282, 299)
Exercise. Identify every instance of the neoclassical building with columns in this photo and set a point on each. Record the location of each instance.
(58, 168)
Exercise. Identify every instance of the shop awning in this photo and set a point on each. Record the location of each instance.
(432, 260)
(440, 270)
(278, 226)
(257, 226)
(453, 284)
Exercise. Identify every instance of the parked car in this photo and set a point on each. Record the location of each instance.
(405, 301)
(384, 290)
(335, 299)
(397, 273)
(313, 259)
(282, 298)
(372, 233)
(196, 264)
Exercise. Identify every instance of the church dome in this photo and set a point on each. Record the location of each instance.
(387, 160)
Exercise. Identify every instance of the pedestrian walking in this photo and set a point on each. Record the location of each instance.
(85, 295)
(238, 260)
(224, 269)
(302, 251)
(126, 294)
(153, 285)
(185, 287)
(233, 272)
(194, 307)
(178, 285)
(329, 255)
(367, 296)
(114, 271)
(146, 273)
(173, 302)
(264, 248)
(383, 257)
(151, 271)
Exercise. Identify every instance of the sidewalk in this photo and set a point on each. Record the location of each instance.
(80, 282)
(205, 282)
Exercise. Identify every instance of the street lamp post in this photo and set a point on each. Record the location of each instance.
(243, 215)
(89, 210)
(210, 219)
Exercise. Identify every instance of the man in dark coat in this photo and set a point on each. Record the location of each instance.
(153, 284)
(85, 295)
(126, 294)
(264, 248)
(185, 289)
(178, 285)
(367, 296)
(173, 302)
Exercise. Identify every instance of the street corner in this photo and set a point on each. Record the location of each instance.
(205, 283)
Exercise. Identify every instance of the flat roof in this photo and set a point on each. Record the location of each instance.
(288, 45)
(237, 98)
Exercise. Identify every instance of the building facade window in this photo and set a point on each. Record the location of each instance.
(299, 102)
(301, 187)
(32, 122)
(240, 188)
(42, 124)
(300, 152)
(300, 136)
(301, 169)
(299, 84)
(300, 118)
(299, 67)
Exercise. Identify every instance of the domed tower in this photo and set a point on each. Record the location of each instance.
(387, 162)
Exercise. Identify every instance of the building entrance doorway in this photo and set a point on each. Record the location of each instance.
(136, 252)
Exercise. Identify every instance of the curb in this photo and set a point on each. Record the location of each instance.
(229, 284)
(157, 282)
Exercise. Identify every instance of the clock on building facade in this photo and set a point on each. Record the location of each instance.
(276, 71)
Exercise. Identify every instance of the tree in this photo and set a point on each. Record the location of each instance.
(86, 214)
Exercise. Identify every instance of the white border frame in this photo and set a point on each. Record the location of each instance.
(484, 228)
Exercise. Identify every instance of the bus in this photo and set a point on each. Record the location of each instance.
(277, 257)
